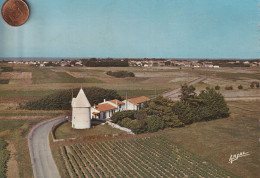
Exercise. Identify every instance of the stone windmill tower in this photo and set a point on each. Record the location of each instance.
(81, 111)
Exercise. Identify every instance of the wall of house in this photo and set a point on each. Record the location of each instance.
(130, 106)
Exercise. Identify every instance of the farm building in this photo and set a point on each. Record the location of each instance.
(135, 103)
(81, 112)
(106, 109)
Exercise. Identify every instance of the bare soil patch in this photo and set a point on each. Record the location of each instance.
(16, 75)
(12, 165)
(76, 74)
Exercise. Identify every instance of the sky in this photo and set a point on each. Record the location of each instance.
(135, 28)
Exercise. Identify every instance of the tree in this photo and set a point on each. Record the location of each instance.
(137, 126)
(61, 100)
(185, 112)
(154, 123)
(257, 85)
(211, 105)
(214, 105)
(119, 116)
(126, 122)
(163, 108)
(187, 92)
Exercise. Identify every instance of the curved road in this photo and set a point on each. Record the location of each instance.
(176, 91)
(41, 157)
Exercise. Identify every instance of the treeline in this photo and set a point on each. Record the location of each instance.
(93, 62)
(61, 100)
(161, 113)
(120, 74)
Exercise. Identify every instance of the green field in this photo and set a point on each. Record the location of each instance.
(217, 140)
(15, 132)
(124, 158)
(65, 131)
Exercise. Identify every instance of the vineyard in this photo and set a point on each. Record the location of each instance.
(142, 157)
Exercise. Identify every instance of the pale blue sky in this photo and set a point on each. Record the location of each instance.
(135, 28)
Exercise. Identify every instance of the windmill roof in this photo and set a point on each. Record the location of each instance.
(81, 101)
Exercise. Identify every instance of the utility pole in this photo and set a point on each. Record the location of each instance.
(126, 101)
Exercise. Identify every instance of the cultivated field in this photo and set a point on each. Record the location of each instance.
(143, 157)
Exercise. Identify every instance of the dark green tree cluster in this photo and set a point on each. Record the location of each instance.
(161, 113)
(120, 74)
(208, 105)
(61, 100)
(4, 156)
(156, 115)
(93, 62)
(138, 121)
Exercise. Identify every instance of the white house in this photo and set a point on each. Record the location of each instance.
(135, 103)
(106, 109)
(81, 112)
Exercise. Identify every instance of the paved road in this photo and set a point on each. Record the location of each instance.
(38, 140)
(175, 93)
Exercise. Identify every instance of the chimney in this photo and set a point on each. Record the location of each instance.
(104, 100)
(116, 102)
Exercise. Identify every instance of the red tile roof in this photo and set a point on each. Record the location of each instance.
(105, 107)
(138, 100)
(118, 102)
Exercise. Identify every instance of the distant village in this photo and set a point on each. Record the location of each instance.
(93, 62)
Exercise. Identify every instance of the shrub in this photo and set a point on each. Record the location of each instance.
(140, 115)
(217, 87)
(229, 88)
(154, 123)
(207, 88)
(119, 116)
(252, 85)
(257, 85)
(240, 87)
(137, 126)
(126, 122)
(187, 92)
